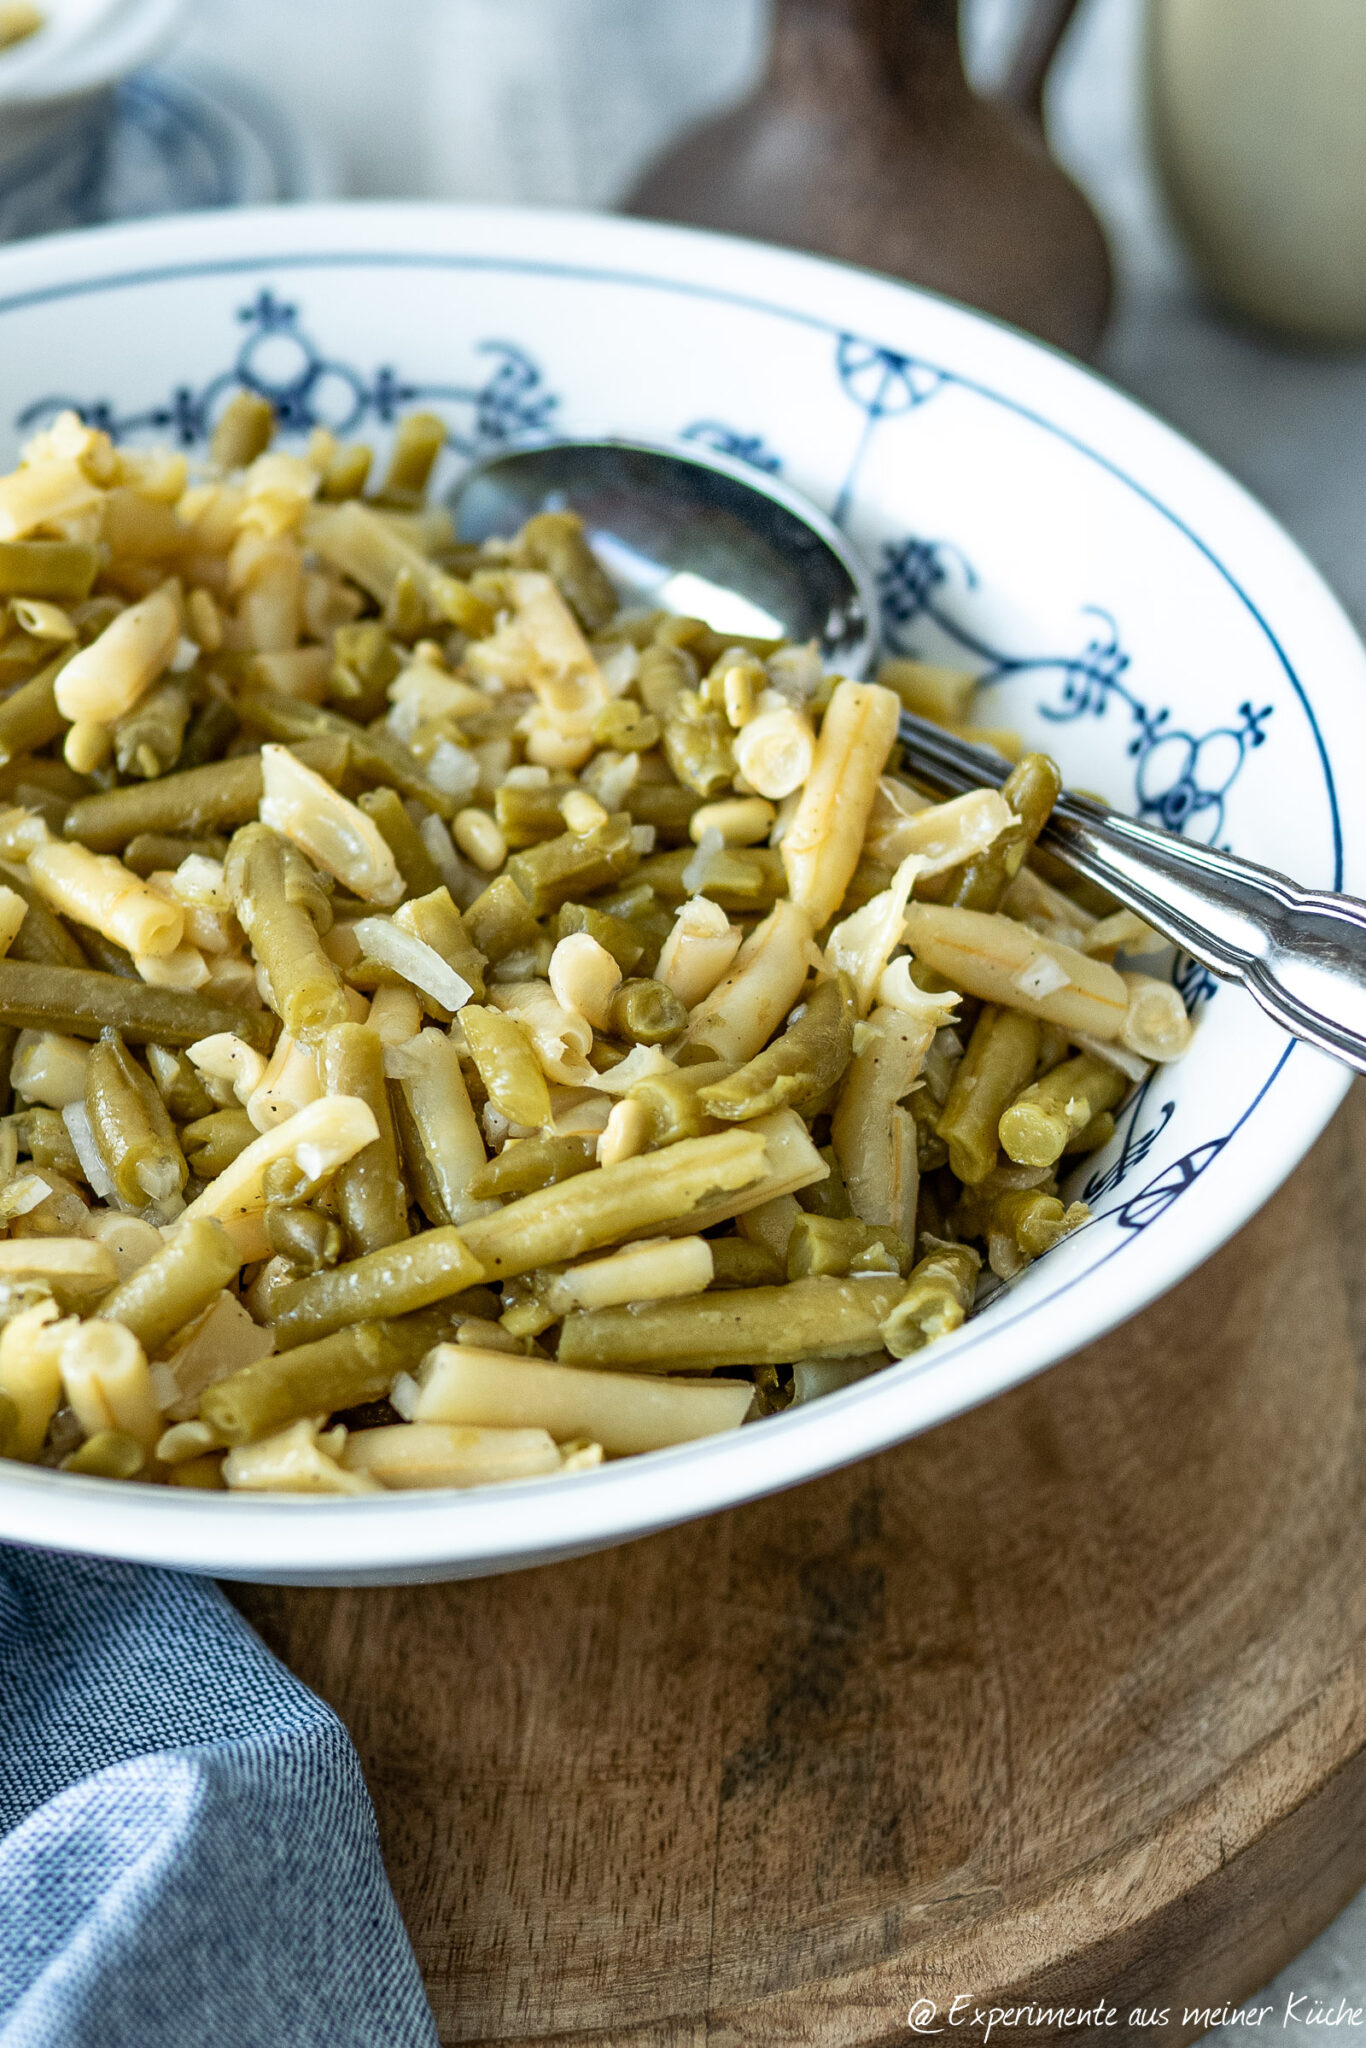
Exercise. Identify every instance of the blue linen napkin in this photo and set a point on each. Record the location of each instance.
(188, 1852)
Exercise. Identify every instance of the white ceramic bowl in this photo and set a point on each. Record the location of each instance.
(57, 102)
(1136, 612)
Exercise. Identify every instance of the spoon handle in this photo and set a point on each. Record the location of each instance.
(1301, 953)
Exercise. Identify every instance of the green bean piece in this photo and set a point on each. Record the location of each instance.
(214, 726)
(936, 1300)
(613, 934)
(828, 1197)
(243, 431)
(526, 1311)
(1021, 1224)
(420, 438)
(830, 1244)
(132, 1130)
(179, 1085)
(211, 1143)
(196, 1262)
(50, 807)
(528, 816)
(697, 746)
(152, 853)
(647, 1012)
(500, 921)
(434, 919)
(575, 864)
(737, 877)
(671, 1101)
(1095, 1137)
(309, 1239)
(736, 1262)
(998, 1063)
(107, 954)
(371, 1200)
(554, 542)
(665, 673)
(38, 996)
(20, 654)
(1036, 1127)
(1097, 902)
(534, 1163)
(816, 1318)
(648, 920)
(29, 717)
(386, 811)
(148, 739)
(42, 938)
(193, 801)
(406, 611)
(502, 1052)
(40, 770)
(1054, 1045)
(557, 1224)
(44, 1136)
(364, 663)
(412, 1275)
(340, 1371)
(264, 884)
(623, 725)
(666, 806)
(109, 1454)
(800, 1066)
(376, 755)
(1031, 789)
(345, 474)
(60, 570)
(418, 1168)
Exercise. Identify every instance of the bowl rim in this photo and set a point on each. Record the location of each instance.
(521, 1523)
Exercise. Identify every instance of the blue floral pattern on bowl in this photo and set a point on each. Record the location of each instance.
(1181, 779)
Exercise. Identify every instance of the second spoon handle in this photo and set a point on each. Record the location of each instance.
(1301, 953)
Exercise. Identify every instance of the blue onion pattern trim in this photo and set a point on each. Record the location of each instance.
(726, 440)
(883, 383)
(1181, 779)
(309, 389)
(279, 361)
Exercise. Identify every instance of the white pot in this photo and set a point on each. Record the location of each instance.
(1261, 145)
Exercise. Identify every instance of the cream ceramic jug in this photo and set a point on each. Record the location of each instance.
(1259, 128)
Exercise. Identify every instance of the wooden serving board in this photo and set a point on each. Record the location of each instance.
(1063, 1703)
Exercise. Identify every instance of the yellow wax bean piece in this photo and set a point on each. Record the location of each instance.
(98, 890)
(315, 1142)
(42, 493)
(334, 833)
(821, 846)
(107, 1381)
(1005, 962)
(106, 678)
(31, 1374)
(624, 1412)
(72, 1264)
(410, 1454)
(747, 1005)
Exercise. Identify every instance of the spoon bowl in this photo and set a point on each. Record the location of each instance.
(689, 530)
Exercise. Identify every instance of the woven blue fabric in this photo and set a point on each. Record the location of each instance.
(188, 1853)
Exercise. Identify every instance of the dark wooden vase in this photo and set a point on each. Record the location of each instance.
(866, 142)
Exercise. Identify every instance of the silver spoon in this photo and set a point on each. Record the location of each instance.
(700, 532)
